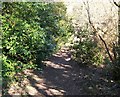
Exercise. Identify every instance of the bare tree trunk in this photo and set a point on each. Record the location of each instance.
(118, 51)
(116, 69)
(119, 33)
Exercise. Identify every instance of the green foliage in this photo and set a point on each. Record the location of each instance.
(85, 50)
(31, 32)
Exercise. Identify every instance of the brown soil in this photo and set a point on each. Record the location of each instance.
(63, 76)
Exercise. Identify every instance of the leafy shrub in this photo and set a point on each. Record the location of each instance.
(31, 32)
(85, 49)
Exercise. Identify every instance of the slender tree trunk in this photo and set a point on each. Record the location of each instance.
(116, 69)
(118, 51)
(119, 33)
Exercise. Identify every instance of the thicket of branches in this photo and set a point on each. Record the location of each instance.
(98, 44)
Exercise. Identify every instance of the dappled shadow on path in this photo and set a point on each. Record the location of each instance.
(63, 76)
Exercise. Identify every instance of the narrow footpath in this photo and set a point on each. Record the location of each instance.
(63, 76)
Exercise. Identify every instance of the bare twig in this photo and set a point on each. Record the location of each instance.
(118, 5)
(106, 48)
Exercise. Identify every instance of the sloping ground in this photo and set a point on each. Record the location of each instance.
(62, 76)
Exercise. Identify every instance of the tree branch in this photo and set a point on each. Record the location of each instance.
(106, 48)
(118, 5)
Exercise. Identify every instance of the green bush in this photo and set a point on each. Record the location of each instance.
(31, 33)
(85, 50)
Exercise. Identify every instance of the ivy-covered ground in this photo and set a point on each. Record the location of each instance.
(63, 76)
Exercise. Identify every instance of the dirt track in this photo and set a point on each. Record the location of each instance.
(63, 76)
